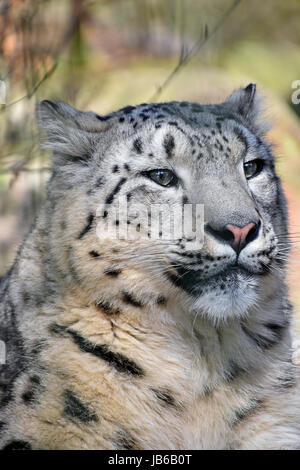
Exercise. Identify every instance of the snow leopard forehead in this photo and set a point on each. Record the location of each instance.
(177, 115)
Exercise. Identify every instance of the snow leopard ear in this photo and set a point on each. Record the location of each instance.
(243, 101)
(247, 103)
(71, 134)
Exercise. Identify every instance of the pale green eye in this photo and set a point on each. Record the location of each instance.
(163, 177)
(253, 168)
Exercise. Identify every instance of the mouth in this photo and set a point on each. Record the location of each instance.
(195, 284)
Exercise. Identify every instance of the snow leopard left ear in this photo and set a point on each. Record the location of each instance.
(71, 134)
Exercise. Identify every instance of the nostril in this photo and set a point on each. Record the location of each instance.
(226, 235)
(222, 235)
(253, 233)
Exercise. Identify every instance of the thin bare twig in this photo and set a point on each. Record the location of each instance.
(185, 57)
(34, 89)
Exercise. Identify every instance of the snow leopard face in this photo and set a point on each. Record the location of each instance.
(173, 154)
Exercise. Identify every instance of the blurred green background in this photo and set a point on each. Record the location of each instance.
(105, 54)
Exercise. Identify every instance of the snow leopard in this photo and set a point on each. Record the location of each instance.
(123, 343)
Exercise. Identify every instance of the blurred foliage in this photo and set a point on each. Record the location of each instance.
(105, 54)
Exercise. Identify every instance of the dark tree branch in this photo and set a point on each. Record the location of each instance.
(79, 14)
(25, 169)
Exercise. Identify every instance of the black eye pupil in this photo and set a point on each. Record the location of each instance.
(253, 168)
(162, 176)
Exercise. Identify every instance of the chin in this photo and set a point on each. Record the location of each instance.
(228, 296)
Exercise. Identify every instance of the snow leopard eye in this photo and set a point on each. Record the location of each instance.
(162, 177)
(253, 168)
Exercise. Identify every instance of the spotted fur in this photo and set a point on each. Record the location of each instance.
(151, 344)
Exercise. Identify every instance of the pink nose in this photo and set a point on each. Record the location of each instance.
(240, 234)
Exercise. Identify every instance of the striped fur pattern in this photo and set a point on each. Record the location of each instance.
(149, 344)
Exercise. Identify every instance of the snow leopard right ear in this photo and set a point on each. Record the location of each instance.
(71, 134)
(247, 103)
(244, 100)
